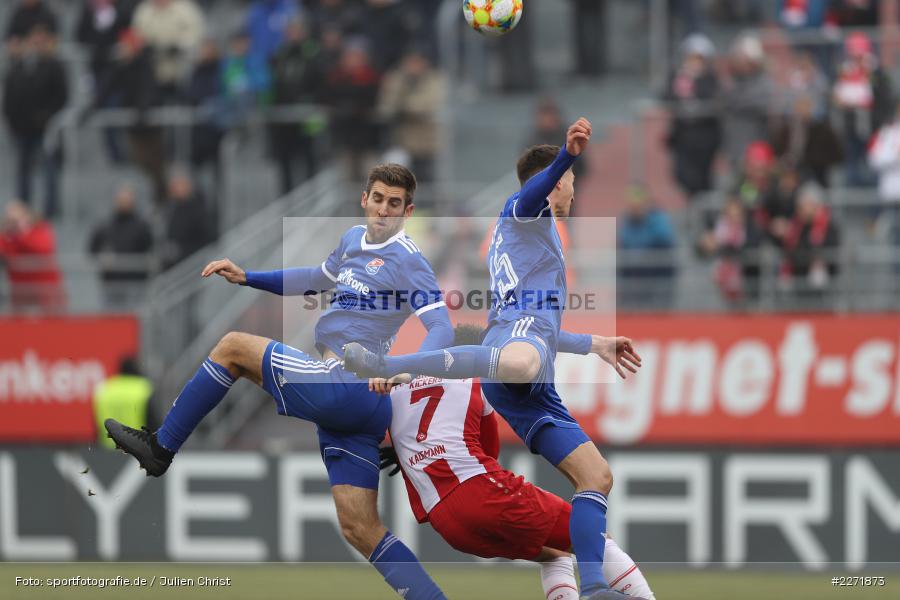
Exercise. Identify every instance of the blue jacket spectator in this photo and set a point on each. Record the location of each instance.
(644, 227)
(267, 22)
(803, 14)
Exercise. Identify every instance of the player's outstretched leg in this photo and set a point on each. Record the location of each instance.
(459, 362)
(362, 528)
(518, 362)
(589, 472)
(236, 355)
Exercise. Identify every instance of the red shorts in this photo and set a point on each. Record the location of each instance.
(500, 515)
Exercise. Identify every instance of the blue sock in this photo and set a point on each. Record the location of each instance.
(459, 362)
(402, 570)
(587, 524)
(200, 395)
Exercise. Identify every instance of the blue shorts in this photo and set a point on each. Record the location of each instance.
(538, 417)
(534, 411)
(351, 420)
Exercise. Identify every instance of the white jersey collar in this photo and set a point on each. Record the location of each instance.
(367, 246)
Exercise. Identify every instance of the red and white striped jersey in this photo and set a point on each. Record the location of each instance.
(436, 431)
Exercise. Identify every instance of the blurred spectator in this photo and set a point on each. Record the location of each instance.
(734, 242)
(332, 46)
(388, 30)
(351, 92)
(424, 28)
(746, 99)
(646, 270)
(297, 73)
(190, 226)
(810, 243)
(27, 15)
(411, 101)
(516, 54)
(550, 125)
(805, 78)
(204, 92)
(35, 89)
(131, 76)
(805, 141)
(758, 176)
(345, 17)
(100, 26)
(775, 213)
(855, 13)
(694, 133)
(744, 12)
(245, 80)
(28, 250)
(862, 94)
(121, 245)
(809, 17)
(173, 30)
(124, 397)
(267, 24)
(884, 158)
(589, 24)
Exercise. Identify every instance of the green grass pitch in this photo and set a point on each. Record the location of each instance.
(352, 581)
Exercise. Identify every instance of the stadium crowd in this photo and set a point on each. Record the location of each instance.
(779, 127)
(775, 125)
(368, 63)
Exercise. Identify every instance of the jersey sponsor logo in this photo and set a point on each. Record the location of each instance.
(374, 265)
(346, 277)
(427, 453)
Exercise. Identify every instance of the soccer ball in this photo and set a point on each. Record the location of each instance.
(492, 17)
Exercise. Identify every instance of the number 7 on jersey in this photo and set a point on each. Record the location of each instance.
(434, 395)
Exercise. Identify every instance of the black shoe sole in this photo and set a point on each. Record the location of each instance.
(149, 470)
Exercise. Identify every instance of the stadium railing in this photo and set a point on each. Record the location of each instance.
(184, 316)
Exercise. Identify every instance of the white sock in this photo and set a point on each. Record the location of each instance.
(622, 574)
(558, 579)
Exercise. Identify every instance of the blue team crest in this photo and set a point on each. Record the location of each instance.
(374, 265)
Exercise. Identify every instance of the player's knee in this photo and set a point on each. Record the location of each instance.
(599, 478)
(357, 531)
(227, 350)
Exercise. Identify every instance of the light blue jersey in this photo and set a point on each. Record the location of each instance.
(376, 288)
(526, 261)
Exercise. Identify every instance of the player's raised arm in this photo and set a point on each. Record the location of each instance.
(533, 198)
(617, 351)
(287, 282)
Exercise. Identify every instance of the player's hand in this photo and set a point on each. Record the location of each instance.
(578, 136)
(227, 269)
(617, 351)
(380, 385)
(388, 457)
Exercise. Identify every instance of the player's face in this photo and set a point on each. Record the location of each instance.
(563, 195)
(385, 213)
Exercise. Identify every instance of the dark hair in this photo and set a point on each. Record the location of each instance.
(128, 365)
(535, 160)
(468, 335)
(394, 175)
